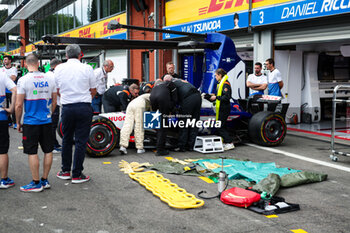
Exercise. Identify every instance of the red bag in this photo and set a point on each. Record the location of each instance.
(239, 197)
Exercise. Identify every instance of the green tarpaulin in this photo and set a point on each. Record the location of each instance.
(247, 170)
(262, 177)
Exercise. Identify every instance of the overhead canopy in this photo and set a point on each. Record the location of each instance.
(8, 26)
(59, 43)
(30, 8)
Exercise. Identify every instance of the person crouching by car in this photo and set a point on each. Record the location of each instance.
(223, 106)
(163, 98)
(134, 120)
(117, 98)
(190, 102)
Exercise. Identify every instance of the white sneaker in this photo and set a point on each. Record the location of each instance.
(123, 150)
(141, 151)
(229, 146)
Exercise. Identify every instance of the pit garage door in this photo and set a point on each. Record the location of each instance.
(312, 34)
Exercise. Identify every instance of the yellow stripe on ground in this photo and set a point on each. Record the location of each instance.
(206, 179)
(298, 231)
(271, 216)
(107, 162)
(169, 158)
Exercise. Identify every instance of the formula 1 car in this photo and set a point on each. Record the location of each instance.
(260, 118)
(247, 120)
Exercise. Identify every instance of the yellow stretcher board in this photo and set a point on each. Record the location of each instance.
(168, 192)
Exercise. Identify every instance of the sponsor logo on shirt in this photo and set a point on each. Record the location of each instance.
(41, 84)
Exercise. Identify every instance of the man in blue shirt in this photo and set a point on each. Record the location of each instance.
(37, 92)
(274, 78)
(5, 83)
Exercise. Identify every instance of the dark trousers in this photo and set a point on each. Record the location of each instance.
(55, 118)
(76, 122)
(191, 105)
(97, 103)
(109, 106)
(224, 112)
(161, 103)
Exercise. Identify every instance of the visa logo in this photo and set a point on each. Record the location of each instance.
(41, 84)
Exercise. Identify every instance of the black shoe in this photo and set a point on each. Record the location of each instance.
(81, 179)
(179, 149)
(162, 152)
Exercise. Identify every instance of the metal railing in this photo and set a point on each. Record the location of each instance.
(335, 101)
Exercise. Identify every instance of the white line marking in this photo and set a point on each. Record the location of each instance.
(296, 156)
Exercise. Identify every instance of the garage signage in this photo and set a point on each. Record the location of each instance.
(299, 10)
(210, 25)
(97, 29)
(202, 16)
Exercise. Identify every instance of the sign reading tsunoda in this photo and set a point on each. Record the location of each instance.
(299, 10)
(216, 24)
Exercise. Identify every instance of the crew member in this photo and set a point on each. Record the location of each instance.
(146, 87)
(163, 98)
(101, 76)
(134, 120)
(223, 106)
(10, 72)
(170, 69)
(118, 97)
(274, 78)
(76, 84)
(257, 82)
(37, 92)
(5, 83)
(190, 102)
(56, 114)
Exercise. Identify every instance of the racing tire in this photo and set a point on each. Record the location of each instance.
(267, 128)
(104, 137)
(59, 129)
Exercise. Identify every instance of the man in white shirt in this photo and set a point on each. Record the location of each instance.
(76, 85)
(5, 83)
(101, 77)
(274, 78)
(257, 82)
(56, 114)
(37, 93)
(10, 72)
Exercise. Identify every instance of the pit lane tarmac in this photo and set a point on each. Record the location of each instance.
(112, 202)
